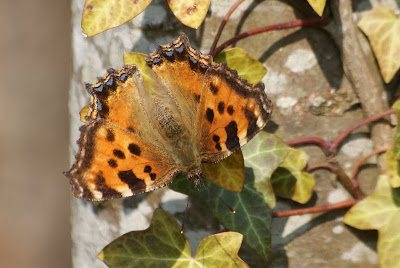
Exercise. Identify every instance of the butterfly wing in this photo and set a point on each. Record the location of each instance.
(181, 70)
(114, 162)
(120, 153)
(232, 111)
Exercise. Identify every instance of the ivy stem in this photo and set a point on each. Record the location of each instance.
(315, 140)
(292, 24)
(323, 165)
(222, 26)
(318, 209)
(347, 132)
(361, 161)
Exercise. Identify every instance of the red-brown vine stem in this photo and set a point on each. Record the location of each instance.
(361, 161)
(318, 209)
(322, 165)
(222, 25)
(292, 24)
(347, 132)
(309, 140)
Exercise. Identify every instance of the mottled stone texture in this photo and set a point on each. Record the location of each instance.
(312, 97)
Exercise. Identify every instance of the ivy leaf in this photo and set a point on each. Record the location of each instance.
(138, 59)
(263, 154)
(190, 12)
(383, 30)
(318, 6)
(290, 182)
(396, 106)
(248, 68)
(227, 174)
(101, 15)
(254, 204)
(393, 167)
(380, 211)
(163, 245)
(84, 113)
(219, 250)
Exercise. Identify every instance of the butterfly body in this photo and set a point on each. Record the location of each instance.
(144, 128)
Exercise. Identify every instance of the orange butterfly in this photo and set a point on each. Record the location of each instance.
(138, 136)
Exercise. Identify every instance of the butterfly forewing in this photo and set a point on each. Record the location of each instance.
(232, 111)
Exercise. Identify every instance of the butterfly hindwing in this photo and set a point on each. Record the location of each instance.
(113, 162)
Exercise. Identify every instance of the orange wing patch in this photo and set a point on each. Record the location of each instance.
(232, 112)
(113, 162)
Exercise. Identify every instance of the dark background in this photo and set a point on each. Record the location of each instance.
(35, 64)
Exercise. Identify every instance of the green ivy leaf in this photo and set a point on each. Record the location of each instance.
(290, 182)
(163, 245)
(263, 154)
(248, 68)
(101, 15)
(227, 174)
(380, 211)
(190, 12)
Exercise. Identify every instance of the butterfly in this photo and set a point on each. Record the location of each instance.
(143, 130)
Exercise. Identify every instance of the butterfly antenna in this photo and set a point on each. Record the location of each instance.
(186, 212)
(223, 202)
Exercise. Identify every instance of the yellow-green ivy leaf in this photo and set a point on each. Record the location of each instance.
(318, 6)
(84, 113)
(190, 12)
(396, 106)
(138, 59)
(163, 245)
(101, 15)
(382, 27)
(289, 181)
(380, 211)
(227, 174)
(248, 68)
(393, 168)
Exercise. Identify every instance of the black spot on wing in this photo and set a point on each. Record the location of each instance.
(252, 125)
(118, 153)
(232, 140)
(112, 163)
(216, 139)
(218, 147)
(230, 110)
(104, 189)
(153, 176)
(213, 88)
(134, 149)
(110, 135)
(210, 115)
(147, 169)
(221, 107)
(134, 183)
